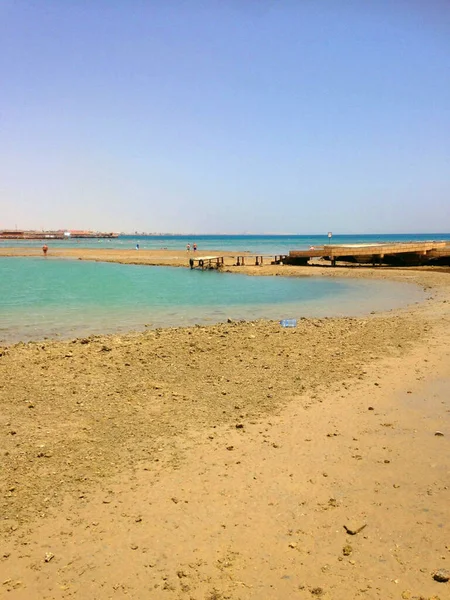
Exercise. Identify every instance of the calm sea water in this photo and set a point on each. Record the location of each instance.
(260, 244)
(49, 297)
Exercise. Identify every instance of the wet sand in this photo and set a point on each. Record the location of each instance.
(226, 461)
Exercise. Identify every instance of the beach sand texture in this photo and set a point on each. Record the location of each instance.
(226, 462)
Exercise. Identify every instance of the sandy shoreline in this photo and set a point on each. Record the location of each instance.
(224, 461)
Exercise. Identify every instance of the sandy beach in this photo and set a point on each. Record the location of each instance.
(235, 461)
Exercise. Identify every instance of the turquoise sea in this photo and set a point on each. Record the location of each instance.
(258, 244)
(56, 297)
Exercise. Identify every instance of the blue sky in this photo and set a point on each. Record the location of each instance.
(225, 116)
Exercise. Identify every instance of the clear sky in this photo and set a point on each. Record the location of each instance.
(229, 116)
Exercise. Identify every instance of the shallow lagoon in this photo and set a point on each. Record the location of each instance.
(53, 297)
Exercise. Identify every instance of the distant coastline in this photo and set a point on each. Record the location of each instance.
(60, 234)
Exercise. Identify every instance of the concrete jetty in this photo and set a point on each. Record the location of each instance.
(396, 254)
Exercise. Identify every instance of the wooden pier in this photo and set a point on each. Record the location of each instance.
(253, 259)
(206, 262)
(241, 260)
(400, 254)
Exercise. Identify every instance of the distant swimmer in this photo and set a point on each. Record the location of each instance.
(137, 246)
(45, 249)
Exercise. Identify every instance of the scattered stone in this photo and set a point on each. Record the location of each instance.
(347, 550)
(439, 434)
(354, 530)
(371, 408)
(441, 575)
(239, 426)
(406, 595)
(134, 546)
(48, 556)
(318, 591)
(293, 545)
(230, 448)
(175, 500)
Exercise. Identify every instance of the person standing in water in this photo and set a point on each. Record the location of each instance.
(45, 249)
(195, 247)
(188, 247)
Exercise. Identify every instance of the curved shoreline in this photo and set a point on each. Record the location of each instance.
(173, 259)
